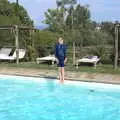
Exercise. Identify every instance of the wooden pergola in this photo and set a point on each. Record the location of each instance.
(16, 29)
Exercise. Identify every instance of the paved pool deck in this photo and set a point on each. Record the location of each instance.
(69, 75)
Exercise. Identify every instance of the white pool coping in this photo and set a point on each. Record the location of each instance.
(91, 85)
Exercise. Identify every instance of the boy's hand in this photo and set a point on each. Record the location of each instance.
(57, 61)
(65, 60)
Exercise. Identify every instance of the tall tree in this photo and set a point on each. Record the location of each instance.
(8, 16)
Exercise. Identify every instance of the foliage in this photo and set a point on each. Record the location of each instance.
(45, 42)
(69, 19)
(73, 21)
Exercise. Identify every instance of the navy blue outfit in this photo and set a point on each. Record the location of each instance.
(60, 53)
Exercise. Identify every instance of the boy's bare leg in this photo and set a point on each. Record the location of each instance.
(62, 72)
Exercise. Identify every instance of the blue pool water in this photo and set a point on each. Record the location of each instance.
(27, 98)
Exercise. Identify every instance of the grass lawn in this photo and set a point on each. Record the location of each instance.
(102, 68)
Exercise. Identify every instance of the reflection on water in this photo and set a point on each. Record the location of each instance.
(51, 85)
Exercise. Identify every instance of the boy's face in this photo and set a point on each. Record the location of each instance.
(60, 40)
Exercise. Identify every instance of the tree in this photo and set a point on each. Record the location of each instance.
(108, 27)
(78, 20)
(45, 42)
(9, 10)
(9, 16)
(70, 20)
(56, 18)
(74, 21)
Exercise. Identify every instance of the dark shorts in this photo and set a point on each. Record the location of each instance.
(61, 63)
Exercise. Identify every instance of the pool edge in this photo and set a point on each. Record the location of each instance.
(68, 79)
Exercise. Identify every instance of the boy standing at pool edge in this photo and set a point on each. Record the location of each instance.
(60, 53)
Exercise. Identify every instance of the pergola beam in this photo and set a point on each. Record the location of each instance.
(16, 29)
(19, 27)
(6, 27)
(117, 25)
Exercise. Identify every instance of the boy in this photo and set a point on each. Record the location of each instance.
(60, 53)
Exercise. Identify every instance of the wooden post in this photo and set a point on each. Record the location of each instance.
(17, 43)
(74, 53)
(32, 37)
(32, 42)
(81, 47)
(72, 39)
(116, 47)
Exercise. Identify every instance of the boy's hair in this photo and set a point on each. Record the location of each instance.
(60, 37)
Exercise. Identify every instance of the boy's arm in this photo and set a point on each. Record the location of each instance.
(65, 50)
(56, 51)
(56, 54)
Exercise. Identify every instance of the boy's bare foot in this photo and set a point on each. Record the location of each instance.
(61, 81)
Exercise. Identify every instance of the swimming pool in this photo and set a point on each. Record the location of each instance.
(27, 98)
